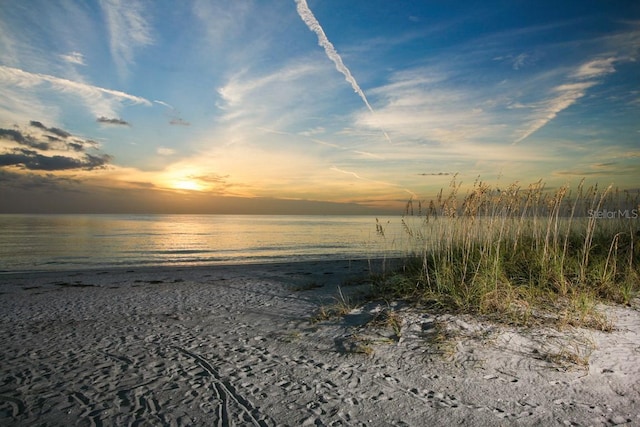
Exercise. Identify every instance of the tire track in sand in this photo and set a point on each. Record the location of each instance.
(226, 392)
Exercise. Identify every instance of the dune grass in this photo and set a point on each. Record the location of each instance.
(520, 254)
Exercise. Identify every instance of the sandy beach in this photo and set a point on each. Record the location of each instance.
(236, 345)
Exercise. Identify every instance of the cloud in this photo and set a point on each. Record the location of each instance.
(240, 87)
(520, 60)
(164, 104)
(565, 95)
(43, 152)
(74, 58)
(595, 68)
(426, 106)
(177, 121)
(32, 160)
(112, 121)
(102, 101)
(25, 79)
(60, 132)
(128, 31)
(310, 20)
(356, 175)
(278, 99)
(436, 174)
(213, 178)
(31, 141)
(313, 24)
(33, 181)
(164, 151)
(26, 140)
(37, 124)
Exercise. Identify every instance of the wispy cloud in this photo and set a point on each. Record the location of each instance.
(242, 85)
(442, 103)
(164, 151)
(102, 101)
(174, 115)
(7, 45)
(74, 58)
(313, 24)
(253, 100)
(562, 96)
(128, 31)
(310, 20)
(164, 104)
(595, 68)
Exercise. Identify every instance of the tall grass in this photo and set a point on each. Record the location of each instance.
(516, 252)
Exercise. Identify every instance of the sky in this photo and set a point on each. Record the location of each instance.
(310, 106)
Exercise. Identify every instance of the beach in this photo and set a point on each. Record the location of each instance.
(245, 345)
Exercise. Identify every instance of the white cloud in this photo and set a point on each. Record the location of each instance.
(128, 30)
(564, 95)
(595, 68)
(310, 20)
(164, 104)
(422, 106)
(101, 101)
(241, 86)
(547, 110)
(7, 45)
(74, 58)
(519, 61)
(164, 151)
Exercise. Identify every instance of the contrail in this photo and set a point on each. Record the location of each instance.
(310, 20)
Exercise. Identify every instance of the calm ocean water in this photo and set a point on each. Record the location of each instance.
(70, 242)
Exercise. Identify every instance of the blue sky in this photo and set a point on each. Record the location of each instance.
(261, 106)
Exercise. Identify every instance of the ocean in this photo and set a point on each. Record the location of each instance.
(78, 242)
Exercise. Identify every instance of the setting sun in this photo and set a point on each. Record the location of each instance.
(187, 185)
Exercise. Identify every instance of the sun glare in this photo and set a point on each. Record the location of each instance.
(187, 185)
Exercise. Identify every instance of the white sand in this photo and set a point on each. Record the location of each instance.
(234, 346)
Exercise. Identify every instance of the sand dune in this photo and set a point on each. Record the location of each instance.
(234, 345)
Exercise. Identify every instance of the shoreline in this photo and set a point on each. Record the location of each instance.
(229, 344)
(151, 268)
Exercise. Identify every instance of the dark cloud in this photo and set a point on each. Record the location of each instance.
(75, 146)
(12, 134)
(44, 142)
(436, 174)
(61, 133)
(38, 125)
(20, 138)
(32, 160)
(179, 122)
(142, 185)
(56, 131)
(52, 138)
(31, 181)
(113, 121)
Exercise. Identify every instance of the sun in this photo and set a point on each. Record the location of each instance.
(187, 185)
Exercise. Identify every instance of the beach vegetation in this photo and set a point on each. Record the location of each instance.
(520, 254)
(341, 305)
